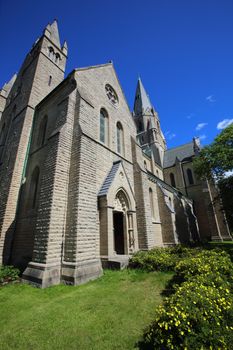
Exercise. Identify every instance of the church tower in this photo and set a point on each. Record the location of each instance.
(42, 70)
(149, 133)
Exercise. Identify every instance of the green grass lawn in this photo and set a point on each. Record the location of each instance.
(109, 313)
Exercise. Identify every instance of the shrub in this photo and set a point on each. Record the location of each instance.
(156, 259)
(162, 259)
(195, 317)
(8, 274)
(208, 263)
(199, 313)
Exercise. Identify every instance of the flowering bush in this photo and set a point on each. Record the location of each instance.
(207, 262)
(199, 313)
(162, 259)
(195, 317)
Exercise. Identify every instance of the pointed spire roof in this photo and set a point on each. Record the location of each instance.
(8, 86)
(55, 34)
(142, 101)
(52, 31)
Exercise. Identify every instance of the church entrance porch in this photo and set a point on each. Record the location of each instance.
(117, 218)
(117, 231)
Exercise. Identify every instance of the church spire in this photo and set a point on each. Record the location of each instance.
(142, 102)
(52, 32)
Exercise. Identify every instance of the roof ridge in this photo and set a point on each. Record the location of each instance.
(184, 144)
(92, 67)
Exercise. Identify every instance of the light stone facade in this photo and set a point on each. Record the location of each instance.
(85, 183)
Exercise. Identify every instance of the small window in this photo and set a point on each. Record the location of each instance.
(103, 126)
(34, 187)
(170, 202)
(145, 165)
(120, 140)
(42, 131)
(152, 203)
(157, 173)
(50, 80)
(190, 176)
(172, 180)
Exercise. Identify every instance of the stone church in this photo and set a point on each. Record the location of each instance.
(85, 182)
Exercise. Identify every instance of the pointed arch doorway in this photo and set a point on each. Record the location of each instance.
(118, 229)
(121, 224)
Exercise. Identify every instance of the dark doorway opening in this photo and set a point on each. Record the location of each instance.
(118, 225)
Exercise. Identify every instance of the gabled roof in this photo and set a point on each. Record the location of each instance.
(165, 186)
(142, 101)
(178, 153)
(115, 181)
(109, 179)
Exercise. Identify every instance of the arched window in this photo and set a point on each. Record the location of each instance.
(34, 187)
(57, 58)
(152, 203)
(50, 80)
(172, 180)
(42, 131)
(190, 176)
(145, 165)
(104, 126)
(170, 203)
(51, 52)
(120, 139)
(2, 134)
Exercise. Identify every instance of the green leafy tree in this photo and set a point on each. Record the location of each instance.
(217, 158)
(226, 190)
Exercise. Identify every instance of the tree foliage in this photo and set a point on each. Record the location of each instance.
(217, 158)
(226, 191)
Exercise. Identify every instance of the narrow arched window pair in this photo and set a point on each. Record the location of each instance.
(33, 191)
(104, 132)
(54, 56)
(42, 131)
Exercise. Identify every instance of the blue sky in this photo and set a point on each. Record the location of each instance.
(182, 50)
